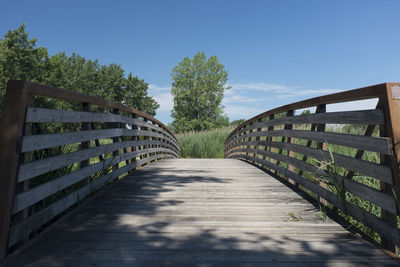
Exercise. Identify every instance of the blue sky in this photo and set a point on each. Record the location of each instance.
(276, 52)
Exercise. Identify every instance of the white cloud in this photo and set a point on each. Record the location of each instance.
(280, 90)
(353, 105)
(241, 112)
(239, 98)
(245, 100)
(162, 94)
(265, 87)
(166, 102)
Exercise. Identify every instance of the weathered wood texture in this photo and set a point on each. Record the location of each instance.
(202, 212)
(10, 132)
(67, 158)
(284, 146)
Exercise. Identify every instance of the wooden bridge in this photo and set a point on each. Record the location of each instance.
(97, 183)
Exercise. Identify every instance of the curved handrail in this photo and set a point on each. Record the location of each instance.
(53, 92)
(53, 158)
(302, 150)
(350, 95)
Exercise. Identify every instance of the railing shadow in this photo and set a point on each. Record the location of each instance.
(130, 224)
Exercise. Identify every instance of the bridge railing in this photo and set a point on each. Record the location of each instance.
(346, 159)
(51, 159)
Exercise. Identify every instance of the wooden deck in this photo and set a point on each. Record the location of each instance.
(220, 212)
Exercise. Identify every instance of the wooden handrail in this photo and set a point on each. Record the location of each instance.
(53, 92)
(45, 173)
(375, 91)
(300, 164)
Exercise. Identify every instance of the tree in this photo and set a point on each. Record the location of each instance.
(198, 89)
(20, 59)
(136, 95)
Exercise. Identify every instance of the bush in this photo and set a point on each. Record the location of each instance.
(206, 144)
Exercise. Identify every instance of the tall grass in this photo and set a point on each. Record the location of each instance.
(206, 144)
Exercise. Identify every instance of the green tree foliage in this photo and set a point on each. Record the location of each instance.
(20, 59)
(198, 89)
(136, 95)
(236, 123)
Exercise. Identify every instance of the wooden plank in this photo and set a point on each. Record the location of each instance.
(133, 147)
(85, 126)
(365, 217)
(145, 138)
(43, 90)
(266, 245)
(38, 167)
(127, 237)
(270, 138)
(388, 217)
(380, 172)
(246, 257)
(28, 226)
(42, 191)
(369, 92)
(116, 139)
(41, 115)
(24, 186)
(384, 200)
(360, 152)
(36, 142)
(154, 227)
(370, 117)
(290, 113)
(381, 145)
(15, 102)
(392, 109)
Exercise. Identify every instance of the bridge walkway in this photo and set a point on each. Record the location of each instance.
(209, 212)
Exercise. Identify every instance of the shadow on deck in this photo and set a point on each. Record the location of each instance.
(220, 212)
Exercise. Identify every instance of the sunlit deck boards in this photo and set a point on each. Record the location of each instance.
(220, 212)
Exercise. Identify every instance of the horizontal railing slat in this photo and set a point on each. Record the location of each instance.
(41, 115)
(23, 229)
(287, 144)
(369, 117)
(58, 93)
(43, 141)
(369, 92)
(38, 167)
(30, 197)
(380, 172)
(137, 139)
(379, 198)
(365, 217)
(375, 144)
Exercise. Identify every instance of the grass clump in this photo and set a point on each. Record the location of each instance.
(205, 144)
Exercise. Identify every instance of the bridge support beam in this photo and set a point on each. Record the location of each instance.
(12, 127)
